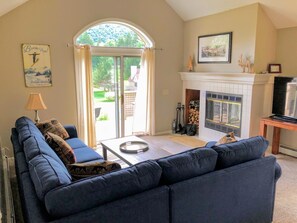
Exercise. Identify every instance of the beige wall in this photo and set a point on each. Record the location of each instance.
(287, 50)
(287, 57)
(265, 49)
(241, 21)
(254, 35)
(56, 22)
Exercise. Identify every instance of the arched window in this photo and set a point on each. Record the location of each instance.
(111, 35)
(116, 51)
(114, 34)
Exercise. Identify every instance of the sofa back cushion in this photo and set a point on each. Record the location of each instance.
(26, 128)
(188, 164)
(47, 174)
(35, 145)
(102, 189)
(240, 151)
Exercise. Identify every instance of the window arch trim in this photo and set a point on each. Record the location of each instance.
(138, 30)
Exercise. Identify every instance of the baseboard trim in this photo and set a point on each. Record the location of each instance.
(288, 151)
(163, 133)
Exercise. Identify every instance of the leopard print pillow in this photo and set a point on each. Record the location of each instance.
(227, 139)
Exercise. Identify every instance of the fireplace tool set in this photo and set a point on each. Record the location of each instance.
(180, 119)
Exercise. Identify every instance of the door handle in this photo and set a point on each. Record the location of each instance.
(122, 99)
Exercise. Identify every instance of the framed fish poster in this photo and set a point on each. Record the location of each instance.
(37, 65)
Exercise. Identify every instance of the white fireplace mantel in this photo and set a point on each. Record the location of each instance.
(255, 89)
(239, 78)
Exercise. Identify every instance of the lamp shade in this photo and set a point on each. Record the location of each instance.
(35, 102)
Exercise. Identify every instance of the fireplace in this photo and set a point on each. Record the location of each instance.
(223, 112)
(255, 91)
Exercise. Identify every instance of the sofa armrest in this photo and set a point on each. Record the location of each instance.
(278, 171)
(71, 129)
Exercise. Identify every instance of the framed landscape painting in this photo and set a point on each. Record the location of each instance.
(37, 66)
(215, 48)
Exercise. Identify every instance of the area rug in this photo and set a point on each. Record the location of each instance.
(190, 141)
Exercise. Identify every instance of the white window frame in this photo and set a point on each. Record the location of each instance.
(119, 51)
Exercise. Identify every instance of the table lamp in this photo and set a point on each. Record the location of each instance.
(35, 103)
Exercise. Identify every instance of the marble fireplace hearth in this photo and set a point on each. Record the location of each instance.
(256, 91)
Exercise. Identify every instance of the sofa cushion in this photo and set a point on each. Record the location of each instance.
(63, 150)
(240, 151)
(188, 164)
(53, 126)
(47, 174)
(82, 170)
(35, 146)
(75, 143)
(86, 154)
(99, 190)
(26, 128)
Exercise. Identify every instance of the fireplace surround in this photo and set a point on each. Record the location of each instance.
(256, 92)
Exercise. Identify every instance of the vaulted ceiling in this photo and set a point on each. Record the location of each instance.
(283, 13)
(8, 5)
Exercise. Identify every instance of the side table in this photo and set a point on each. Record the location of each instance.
(277, 126)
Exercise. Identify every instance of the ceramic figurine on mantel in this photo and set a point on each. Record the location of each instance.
(190, 64)
(246, 64)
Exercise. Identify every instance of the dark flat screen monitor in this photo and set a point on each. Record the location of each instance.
(285, 98)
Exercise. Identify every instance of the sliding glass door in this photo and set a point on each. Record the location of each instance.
(115, 86)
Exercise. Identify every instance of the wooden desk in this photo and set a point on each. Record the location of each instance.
(277, 126)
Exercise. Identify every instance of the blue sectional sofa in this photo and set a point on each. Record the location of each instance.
(226, 183)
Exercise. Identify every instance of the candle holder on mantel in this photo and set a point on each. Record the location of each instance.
(190, 64)
(246, 64)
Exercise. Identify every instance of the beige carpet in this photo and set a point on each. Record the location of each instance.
(285, 208)
(190, 141)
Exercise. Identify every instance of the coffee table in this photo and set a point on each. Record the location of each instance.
(113, 146)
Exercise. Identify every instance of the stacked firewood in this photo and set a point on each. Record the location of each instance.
(194, 116)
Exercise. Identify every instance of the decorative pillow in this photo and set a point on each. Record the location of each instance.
(82, 170)
(227, 139)
(53, 126)
(62, 148)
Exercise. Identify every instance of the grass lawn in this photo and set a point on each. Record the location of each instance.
(100, 97)
(99, 94)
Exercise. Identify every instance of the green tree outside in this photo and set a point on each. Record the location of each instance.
(110, 35)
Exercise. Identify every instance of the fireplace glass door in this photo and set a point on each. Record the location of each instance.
(223, 112)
